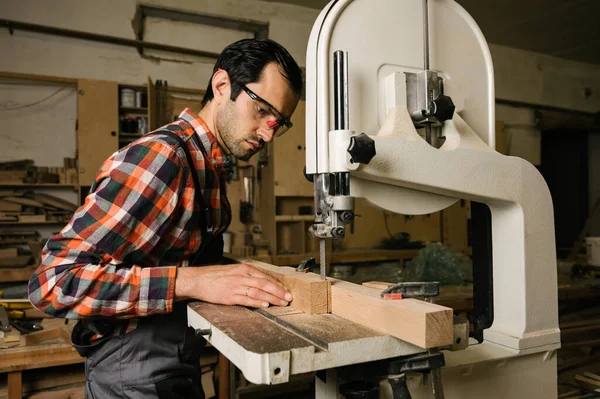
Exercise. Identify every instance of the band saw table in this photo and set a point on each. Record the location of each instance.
(270, 345)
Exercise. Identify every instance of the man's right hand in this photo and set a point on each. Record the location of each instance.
(237, 284)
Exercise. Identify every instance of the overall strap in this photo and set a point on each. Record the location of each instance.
(206, 222)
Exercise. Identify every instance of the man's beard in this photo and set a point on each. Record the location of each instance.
(227, 126)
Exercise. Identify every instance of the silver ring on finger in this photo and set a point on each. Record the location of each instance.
(247, 289)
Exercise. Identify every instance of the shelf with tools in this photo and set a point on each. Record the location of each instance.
(134, 111)
(35, 201)
(20, 207)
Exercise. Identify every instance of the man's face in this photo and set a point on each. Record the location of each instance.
(246, 124)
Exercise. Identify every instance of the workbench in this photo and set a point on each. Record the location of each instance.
(55, 352)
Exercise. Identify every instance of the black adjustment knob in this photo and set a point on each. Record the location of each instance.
(442, 108)
(361, 149)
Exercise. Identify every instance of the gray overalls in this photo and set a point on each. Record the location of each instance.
(160, 358)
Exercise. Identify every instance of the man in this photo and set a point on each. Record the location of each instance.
(157, 206)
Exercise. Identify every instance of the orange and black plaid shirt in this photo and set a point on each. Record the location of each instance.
(118, 255)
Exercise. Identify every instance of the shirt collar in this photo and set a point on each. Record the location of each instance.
(208, 140)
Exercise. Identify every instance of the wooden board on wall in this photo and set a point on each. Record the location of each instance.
(290, 158)
(266, 204)
(151, 95)
(98, 124)
(370, 230)
(175, 105)
(455, 226)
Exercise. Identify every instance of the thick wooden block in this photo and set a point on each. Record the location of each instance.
(421, 323)
(311, 294)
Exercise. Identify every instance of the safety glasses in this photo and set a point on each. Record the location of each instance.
(280, 125)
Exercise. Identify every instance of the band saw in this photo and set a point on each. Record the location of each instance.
(400, 111)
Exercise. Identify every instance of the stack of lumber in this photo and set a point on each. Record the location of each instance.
(18, 206)
(579, 356)
(14, 257)
(17, 268)
(25, 171)
(20, 253)
(17, 237)
(584, 385)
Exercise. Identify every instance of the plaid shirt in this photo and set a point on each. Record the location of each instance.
(118, 255)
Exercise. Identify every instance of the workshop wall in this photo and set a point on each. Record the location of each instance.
(49, 55)
(26, 52)
(521, 76)
(522, 138)
(533, 78)
(46, 129)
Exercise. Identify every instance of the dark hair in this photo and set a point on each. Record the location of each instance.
(245, 60)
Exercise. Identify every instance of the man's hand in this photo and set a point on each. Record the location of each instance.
(237, 284)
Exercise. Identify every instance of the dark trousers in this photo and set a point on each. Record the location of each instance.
(159, 359)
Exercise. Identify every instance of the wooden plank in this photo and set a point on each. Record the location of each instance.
(15, 261)
(98, 124)
(45, 335)
(15, 387)
(38, 356)
(9, 206)
(590, 381)
(24, 201)
(591, 375)
(311, 294)
(20, 274)
(56, 202)
(420, 323)
(32, 218)
(8, 252)
(569, 394)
